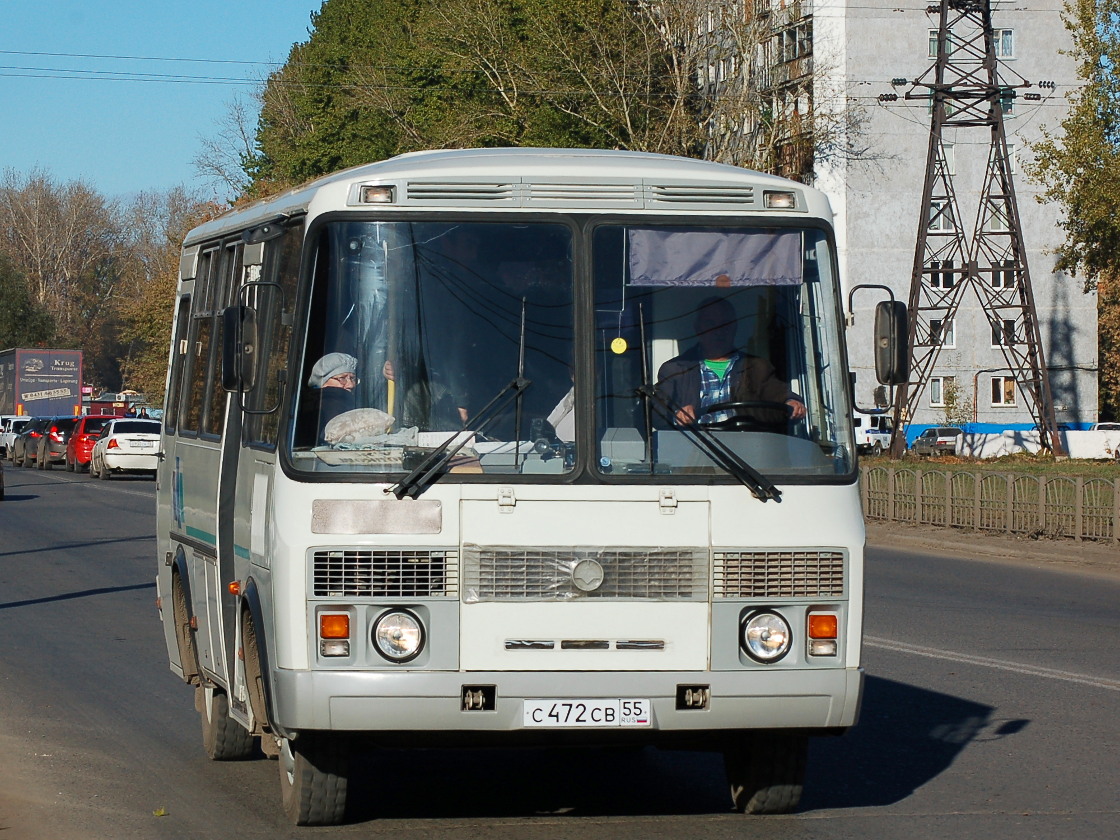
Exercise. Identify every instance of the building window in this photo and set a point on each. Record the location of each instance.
(795, 42)
(941, 216)
(940, 274)
(939, 386)
(933, 43)
(941, 333)
(998, 219)
(950, 152)
(1003, 332)
(1004, 42)
(1003, 274)
(1003, 390)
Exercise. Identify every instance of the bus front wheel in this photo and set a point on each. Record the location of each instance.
(313, 776)
(223, 737)
(766, 771)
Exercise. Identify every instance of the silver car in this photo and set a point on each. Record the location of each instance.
(940, 440)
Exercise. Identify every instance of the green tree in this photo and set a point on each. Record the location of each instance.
(1079, 167)
(23, 323)
(959, 408)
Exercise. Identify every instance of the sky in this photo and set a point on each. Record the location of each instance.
(120, 93)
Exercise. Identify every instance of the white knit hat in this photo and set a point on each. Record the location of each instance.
(331, 365)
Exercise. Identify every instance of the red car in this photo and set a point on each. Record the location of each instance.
(82, 438)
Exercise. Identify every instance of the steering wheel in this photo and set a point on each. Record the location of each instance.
(742, 421)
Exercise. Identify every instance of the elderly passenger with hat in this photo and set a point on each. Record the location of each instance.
(335, 376)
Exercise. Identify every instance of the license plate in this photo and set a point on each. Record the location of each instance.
(143, 444)
(593, 713)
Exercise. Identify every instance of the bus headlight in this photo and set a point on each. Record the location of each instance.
(765, 636)
(398, 635)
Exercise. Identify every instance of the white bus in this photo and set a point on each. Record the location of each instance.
(441, 465)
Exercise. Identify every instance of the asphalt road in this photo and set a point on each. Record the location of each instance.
(991, 709)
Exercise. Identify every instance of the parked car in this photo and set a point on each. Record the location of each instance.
(10, 427)
(52, 445)
(25, 448)
(1106, 427)
(125, 444)
(939, 440)
(82, 438)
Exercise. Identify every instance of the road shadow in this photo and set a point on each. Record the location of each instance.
(68, 596)
(907, 736)
(56, 547)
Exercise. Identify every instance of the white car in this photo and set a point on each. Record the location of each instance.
(10, 427)
(126, 445)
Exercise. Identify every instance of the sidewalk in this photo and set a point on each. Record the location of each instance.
(1098, 557)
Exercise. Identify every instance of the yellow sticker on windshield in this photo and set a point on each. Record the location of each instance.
(618, 346)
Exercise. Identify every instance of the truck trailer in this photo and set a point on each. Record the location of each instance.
(40, 382)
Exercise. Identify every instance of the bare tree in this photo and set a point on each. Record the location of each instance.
(225, 157)
(66, 240)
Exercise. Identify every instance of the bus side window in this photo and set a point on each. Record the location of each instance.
(196, 361)
(223, 289)
(179, 360)
(275, 317)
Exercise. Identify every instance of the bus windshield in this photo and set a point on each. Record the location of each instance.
(716, 351)
(421, 332)
(717, 346)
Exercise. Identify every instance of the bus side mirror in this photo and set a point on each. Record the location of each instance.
(239, 348)
(891, 363)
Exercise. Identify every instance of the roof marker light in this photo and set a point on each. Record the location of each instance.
(779, 200)
(375, 194)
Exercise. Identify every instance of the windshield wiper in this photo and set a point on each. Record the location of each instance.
(760, 486)
(431, 468)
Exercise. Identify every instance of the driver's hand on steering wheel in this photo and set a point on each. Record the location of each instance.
(687, 415)
(797, 409)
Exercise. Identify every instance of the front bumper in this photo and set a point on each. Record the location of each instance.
(426, 702)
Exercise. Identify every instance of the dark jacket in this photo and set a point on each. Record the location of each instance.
(333, 402)
(754, 380)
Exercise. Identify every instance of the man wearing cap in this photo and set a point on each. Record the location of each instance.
(335, 376)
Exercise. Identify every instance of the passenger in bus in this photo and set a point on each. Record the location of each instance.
(714, 371)
(335, 376)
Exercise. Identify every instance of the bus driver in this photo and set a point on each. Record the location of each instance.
(713, 371)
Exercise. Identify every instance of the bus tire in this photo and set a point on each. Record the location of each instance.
(313, 778)
(766, 771)
(223, 737)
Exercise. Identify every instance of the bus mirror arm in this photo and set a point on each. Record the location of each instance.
(760, 486)
(428, 470)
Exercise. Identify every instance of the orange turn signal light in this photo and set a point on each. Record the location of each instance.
(334, 626)
(234, 587)
(823, 626)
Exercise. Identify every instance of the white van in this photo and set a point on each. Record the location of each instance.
(873, 433)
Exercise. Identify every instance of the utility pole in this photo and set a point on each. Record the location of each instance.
(965, 91)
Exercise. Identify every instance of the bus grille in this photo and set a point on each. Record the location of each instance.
(386, 573)
(568, 574)
(778, 574)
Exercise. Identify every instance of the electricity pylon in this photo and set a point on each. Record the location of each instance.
(965, 90)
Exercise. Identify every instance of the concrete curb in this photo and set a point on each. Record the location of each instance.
(983, 545)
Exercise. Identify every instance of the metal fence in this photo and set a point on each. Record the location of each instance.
(1011, 503)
